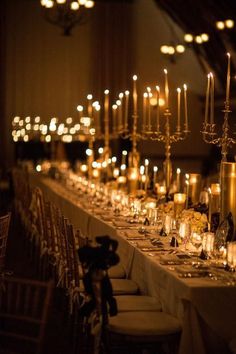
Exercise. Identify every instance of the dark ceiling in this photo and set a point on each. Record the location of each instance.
(200, 16)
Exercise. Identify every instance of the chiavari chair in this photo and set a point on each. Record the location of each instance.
(24, 310)
(4, 231)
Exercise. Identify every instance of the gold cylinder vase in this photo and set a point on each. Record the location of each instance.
(228, 190)
(195, 185)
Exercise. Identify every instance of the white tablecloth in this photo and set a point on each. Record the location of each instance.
(206, 307)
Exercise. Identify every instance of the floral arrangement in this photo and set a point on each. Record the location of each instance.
(197, 220)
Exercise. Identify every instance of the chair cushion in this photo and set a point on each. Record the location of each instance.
(124, 286)
(144, 323)
(116, 271)
(137, 303)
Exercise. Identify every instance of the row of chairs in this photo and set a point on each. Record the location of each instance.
(54, 245)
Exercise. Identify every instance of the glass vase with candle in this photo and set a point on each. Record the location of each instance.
(179, 204)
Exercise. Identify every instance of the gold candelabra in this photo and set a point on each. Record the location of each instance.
(209, 127)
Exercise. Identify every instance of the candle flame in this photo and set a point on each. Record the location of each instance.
(209, 190)
(90, 97)
(165, 71)
(114, 106)
(118, 102)
(146, 162)
(186, 175)
(135, 77)
(228, 55)
(185, 87)
(158, 88)
(124, 152)
(209, 75)
(178, 170)
(187, 182)
(121, 95)
(155, 168)
(145, 94)
(178, 89)
(80, 108)
(106, 92)
(148, 89)
(126, 93)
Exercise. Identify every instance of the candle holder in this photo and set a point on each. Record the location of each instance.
(209, 127)
(168, 139)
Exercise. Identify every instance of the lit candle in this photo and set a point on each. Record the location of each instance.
(207, 98)
(187, 188)
(118, 103)
(80, 110)
(89, 98)
(149, 108)
(155, 169)
(135, 95)
(209, 209)
(228, 79)
(146, 163)
(98, 125)
(178, 108)
(141, 171)
(114, 114)
(121, 95)
(185, 107)
(145, 95)
(158, 108)
(106, 105)
(126, 109)
(212, 99)
(124, 154)
(178, 171)
(166, 88)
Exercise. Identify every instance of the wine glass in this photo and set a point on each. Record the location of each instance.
(196, 240)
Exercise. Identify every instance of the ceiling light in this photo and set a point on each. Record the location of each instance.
(188, 37)
(229, 23)
(198, 39)
(205, 37)
(180, 48)
(220, 25)
(164, 49)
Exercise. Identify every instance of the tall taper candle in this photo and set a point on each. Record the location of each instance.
(89, 98)
(207, 98)
(155, 169)
(166, 88)
(158, 108)
(126, 109)
(212, 99)
(114, 116)
(121, 111)
(146, 163)
(178, 171)
(185, 107)
(135, 95)
(149, 108)
(178, 108)
(228, 79)
(145, 95)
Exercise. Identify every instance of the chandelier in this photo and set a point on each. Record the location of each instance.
(66, 13)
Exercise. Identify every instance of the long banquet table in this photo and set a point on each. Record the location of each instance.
(206, 307)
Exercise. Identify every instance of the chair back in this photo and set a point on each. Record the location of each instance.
(4, 228)
(24, 308)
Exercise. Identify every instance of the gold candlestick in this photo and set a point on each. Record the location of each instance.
(209, 129)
